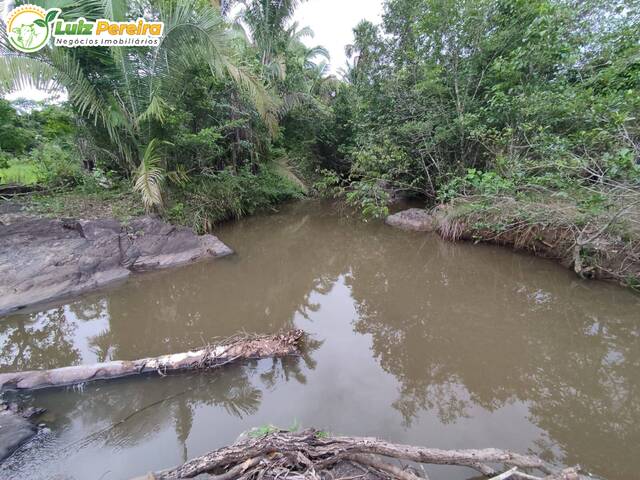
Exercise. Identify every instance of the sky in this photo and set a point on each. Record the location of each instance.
(331, 20)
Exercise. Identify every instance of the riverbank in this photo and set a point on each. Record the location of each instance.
(45, 259)
(68, 240)
(602, 247)
(200, 204)
(418, 324)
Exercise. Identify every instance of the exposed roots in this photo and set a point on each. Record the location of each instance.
(546, 231)
(311, 455)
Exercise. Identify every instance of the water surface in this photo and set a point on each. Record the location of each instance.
(414, 339)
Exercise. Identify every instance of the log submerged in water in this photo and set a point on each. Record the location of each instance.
(311, 455)
(237, 348)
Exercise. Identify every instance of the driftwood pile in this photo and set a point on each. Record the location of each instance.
(312, 455)
(237, 348)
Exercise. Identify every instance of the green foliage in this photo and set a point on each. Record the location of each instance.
(371, 197)
(54, 122)
(542, 93)
(262, 431)
(217, 134)
(209, 199)
(265, 430)
(19, 172)
(4, 160)
(633, 283)
(49, 157)
(14, 137)
(329, 183)
(442, 100)
(56, 166)
(150, 177)
(125, 95)
(476, 182)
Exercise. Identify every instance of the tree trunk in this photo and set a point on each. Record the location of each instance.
(227, 351)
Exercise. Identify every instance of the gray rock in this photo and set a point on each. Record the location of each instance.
(160, 245)
(14, 431)
(415, 219)
(43, 259)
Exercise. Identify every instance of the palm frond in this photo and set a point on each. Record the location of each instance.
(290, 101)
(318, 51)
(193, 35)
(126, 71)
(156, 110)
(299, 33)
(115, 10)
(179, 176)
(150, 177)
(73, 9)
(264, 102)
(276, 68)
(57, 69)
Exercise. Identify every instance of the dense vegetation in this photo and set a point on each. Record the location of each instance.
(487, 96)
(39, 146)
(512, 112)
(193, 125)
(522, 116)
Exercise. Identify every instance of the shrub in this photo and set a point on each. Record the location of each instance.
(4, 160)
(57, 166)
(475, 182)
(209, 199)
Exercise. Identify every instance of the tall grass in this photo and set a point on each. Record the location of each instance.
(20, 172)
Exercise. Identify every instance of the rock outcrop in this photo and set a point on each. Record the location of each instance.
(415, 219)
(43, 259)
(15, 427)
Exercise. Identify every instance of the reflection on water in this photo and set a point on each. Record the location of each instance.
(415, 340)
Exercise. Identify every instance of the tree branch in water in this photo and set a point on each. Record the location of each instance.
(242, 347)
(310, 454)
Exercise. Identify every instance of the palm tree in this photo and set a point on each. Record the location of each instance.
(275, 36)
(268, 21)
(125, 91)
(286, 62)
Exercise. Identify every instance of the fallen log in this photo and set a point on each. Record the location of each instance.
(311, 455)
(242, 347)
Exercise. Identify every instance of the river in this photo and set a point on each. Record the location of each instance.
(414, 339)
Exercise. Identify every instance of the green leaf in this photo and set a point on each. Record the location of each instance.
(150, 177)
(51, 16)
(40, 23)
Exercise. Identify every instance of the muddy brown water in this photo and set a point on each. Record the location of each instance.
(415, 340)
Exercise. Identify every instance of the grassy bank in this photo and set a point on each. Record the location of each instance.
(200, 203)
(117, 203)
(598, 239)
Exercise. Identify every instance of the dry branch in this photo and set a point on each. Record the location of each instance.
(308, 455)
(236, 348)
(378, 463)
